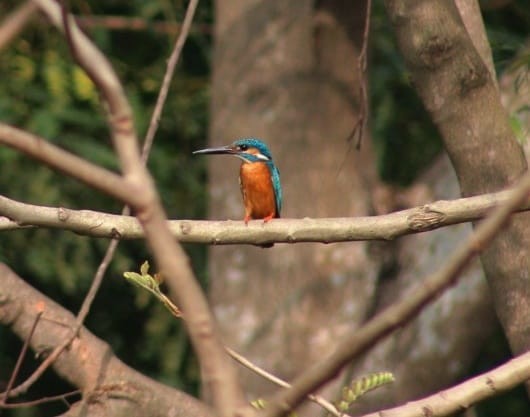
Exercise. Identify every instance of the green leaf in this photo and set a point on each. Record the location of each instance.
(151, 284)
(361, 386)
(518, 127)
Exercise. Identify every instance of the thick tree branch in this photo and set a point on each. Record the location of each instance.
(401, 311)
(384, 227)
(218, 372)
(89, 363)
(462, 98)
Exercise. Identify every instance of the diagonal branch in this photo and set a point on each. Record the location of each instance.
(462, 396)
(89, 363)
(317, 399)
(402, 311)
(219, 373)
(61, 160)
(15, 22)
(168, 76)
(18, 364)
(111, 249)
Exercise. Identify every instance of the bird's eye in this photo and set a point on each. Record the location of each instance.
(243, 147)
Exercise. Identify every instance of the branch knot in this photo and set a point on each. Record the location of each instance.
(425, 218)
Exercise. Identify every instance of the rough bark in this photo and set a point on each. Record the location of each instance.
(109, 386)
(461, 95)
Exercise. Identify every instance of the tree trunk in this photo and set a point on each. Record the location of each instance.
(286, 72)
(460, 93)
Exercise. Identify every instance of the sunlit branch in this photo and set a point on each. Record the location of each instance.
(430, 216)
(464, 395)
(218, 372)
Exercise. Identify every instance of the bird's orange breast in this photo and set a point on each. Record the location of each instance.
(257, 189)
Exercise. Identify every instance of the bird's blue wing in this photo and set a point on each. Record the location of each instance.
(275, 176)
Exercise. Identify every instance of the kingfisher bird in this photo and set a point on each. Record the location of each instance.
(259, 178)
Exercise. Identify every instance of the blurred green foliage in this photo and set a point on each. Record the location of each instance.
(404, 137)
(43, 91)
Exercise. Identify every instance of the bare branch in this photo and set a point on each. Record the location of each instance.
(464, 395)
(148, 142)
(76, 167)
(43, 400)
(219, 373)
(15, 22)
(89, 362)
(401, 311)
(360, 125)
(171, 65)
(325, 404)
(430, 216)
(20, 359)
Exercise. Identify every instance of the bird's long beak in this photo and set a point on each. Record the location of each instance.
(213, 151)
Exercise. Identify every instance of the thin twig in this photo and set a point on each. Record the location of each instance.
(37, 373)
(60, 397)
(90, 365)
(360, 125)
(401, 311)
(168, 76)
(329, 407)
(81, 316)
(20, 358)
(68, 29)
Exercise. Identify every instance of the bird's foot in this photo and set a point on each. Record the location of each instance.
(268, 218)
(246, 219)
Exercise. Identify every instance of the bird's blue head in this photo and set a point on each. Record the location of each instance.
(252, 150)
(249, 150)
